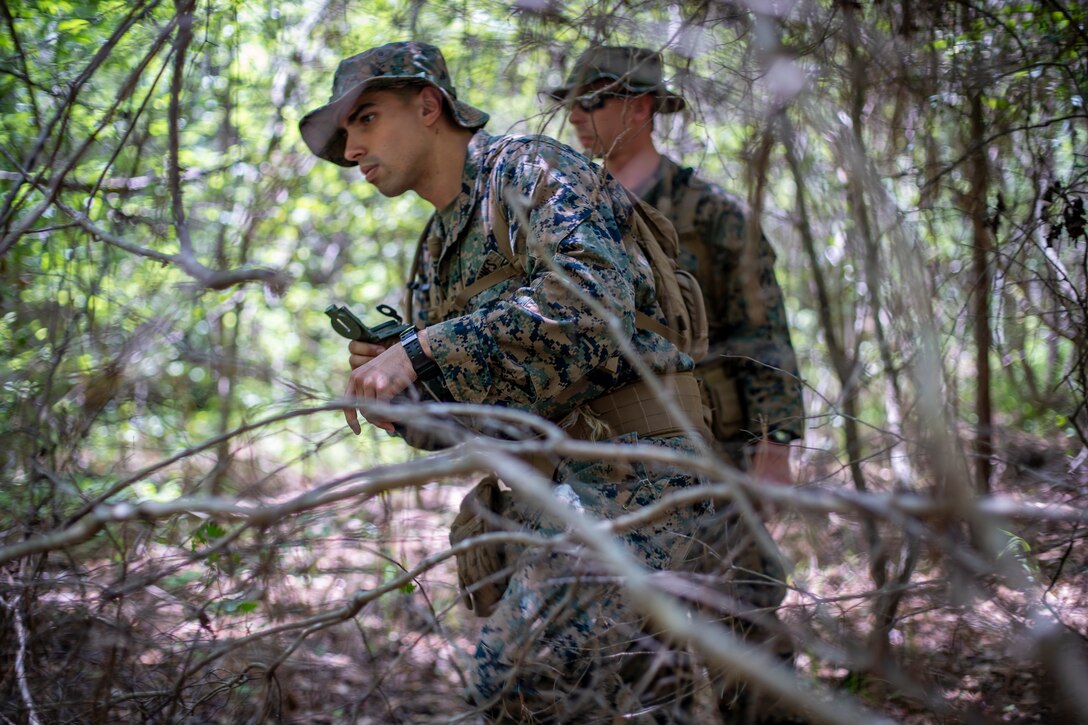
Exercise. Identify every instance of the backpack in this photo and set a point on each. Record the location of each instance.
(651, 237)
(678, 292)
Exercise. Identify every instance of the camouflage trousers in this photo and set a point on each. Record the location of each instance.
(564, 644)
(560, 645)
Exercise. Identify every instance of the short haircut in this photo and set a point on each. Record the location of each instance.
(408, 89)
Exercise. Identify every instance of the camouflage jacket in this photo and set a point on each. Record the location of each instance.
(747, 319)
(524, 342)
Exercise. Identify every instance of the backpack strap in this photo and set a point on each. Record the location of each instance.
(654, 227)
(683, 210)
(685, 218)
(500, 228)
(413, 272)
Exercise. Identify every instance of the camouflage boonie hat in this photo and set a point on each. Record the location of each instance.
(635, 70)
(392, 64)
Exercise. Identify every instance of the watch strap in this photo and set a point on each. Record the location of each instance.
(426, 368)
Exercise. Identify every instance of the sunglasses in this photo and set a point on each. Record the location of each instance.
(591, 102)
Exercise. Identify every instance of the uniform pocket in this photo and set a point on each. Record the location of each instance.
(720, 398)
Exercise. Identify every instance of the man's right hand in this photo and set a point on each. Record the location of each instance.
(360, 353)
(378, 378)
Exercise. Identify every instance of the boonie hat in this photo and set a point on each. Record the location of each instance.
(392, 64)
(636, 70)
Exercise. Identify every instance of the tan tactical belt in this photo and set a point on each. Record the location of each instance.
(635, 408)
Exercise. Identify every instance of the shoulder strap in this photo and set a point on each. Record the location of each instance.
(500, 226)
(413, 272)
(661, 228)
(685, 217)
(500, 229)
(657, 240)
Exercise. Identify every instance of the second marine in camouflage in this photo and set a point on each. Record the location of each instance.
(613, 94)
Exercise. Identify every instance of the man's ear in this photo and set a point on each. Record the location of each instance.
(431, 105)
(642, 109)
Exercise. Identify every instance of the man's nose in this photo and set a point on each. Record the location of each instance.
(353, 148)
(577, 115)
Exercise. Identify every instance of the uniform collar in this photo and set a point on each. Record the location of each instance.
(662, 181)
(453, 219)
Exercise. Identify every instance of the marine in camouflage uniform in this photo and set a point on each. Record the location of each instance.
(749, 337)
(750, 340)
(750, 375)
(551, 648)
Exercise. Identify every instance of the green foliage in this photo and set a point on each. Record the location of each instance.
(1020, 549)
(206, 533)
(126, 356)
(120, 356)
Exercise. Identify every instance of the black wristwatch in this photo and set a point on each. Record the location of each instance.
(426, 368)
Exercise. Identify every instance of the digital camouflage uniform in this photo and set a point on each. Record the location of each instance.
(550, 648)
(560, 642)
(749, 336)
(750, 376)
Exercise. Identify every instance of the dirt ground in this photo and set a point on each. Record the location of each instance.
(960, 650)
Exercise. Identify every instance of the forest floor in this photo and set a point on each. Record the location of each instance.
(960, 652)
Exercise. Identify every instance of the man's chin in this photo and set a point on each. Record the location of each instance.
(388, 190)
